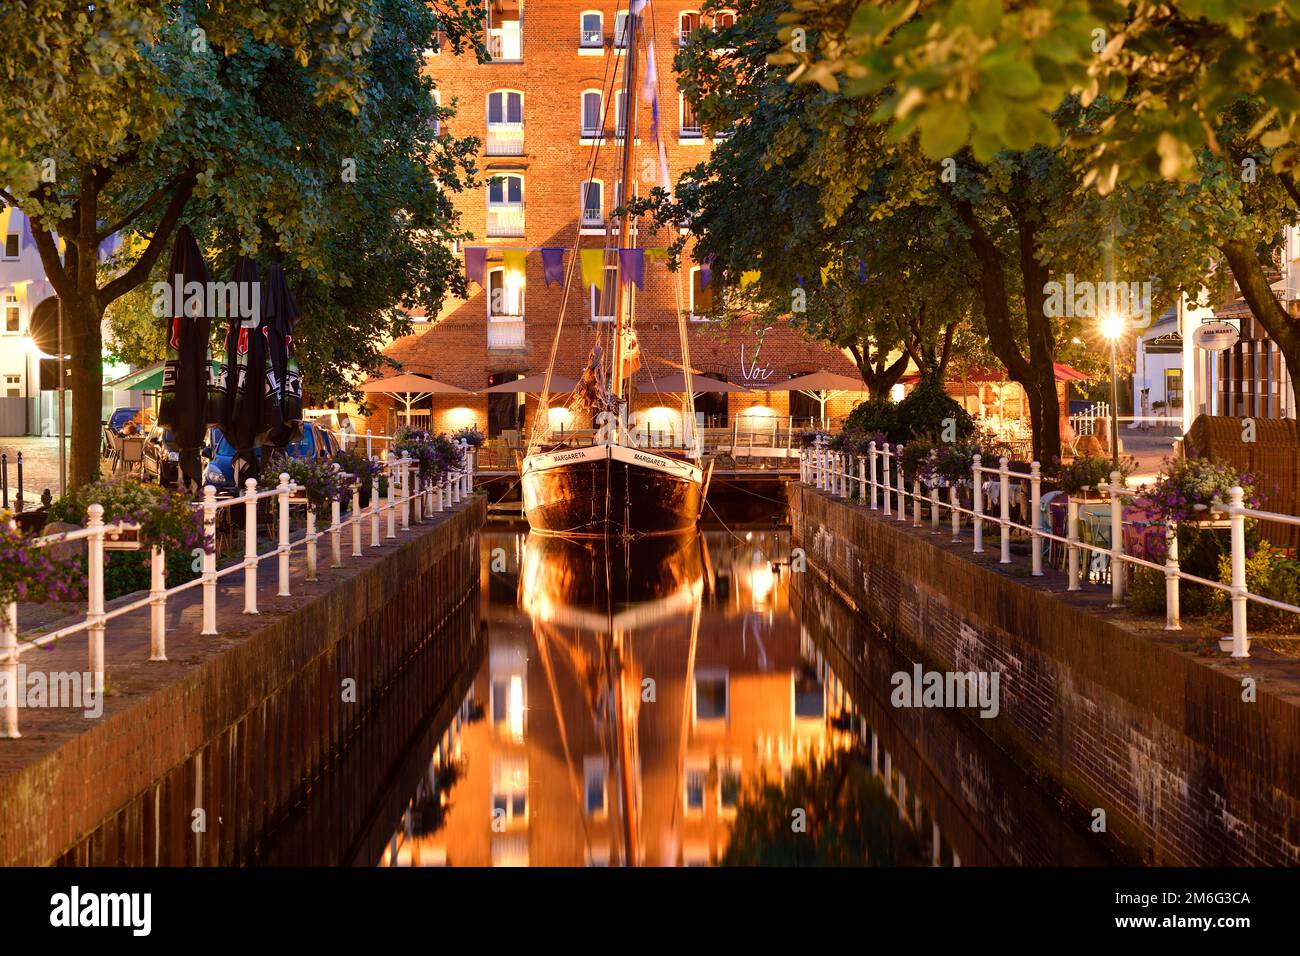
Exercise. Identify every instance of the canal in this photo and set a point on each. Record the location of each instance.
(704, 702)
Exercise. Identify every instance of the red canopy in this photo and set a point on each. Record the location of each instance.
(1063, 372)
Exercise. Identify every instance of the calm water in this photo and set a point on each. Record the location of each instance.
(701, 703)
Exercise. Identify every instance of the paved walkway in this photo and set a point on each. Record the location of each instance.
(129, 674)
(40, 467)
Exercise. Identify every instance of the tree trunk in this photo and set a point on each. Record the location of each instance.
(1281, 326)
(83, 341)
(1045, 410)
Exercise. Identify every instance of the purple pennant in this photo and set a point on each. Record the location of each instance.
(26, 239)
(706, 273)
(475, 261)
(631, 265)
(862, 271)
(553, 266)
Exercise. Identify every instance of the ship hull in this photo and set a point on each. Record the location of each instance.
(608, 491)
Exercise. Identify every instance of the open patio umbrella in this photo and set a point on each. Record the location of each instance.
(531, 385)
(821, 386)
(675, 382)
(243, 376)
(187, 371)
(409, 388)
(284, 385)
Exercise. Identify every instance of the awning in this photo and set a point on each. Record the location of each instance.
(147, 379)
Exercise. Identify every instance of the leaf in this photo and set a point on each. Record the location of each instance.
(944, 129)
(1016, 80)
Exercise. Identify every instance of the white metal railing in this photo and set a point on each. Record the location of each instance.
(505, 44)
(507, 332)
(587, 39)
(1085, 422)
(878, 480)
(505, 220)
(417, 497)
(505, 139)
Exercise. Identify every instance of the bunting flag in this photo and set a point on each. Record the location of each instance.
(593, 268)
(748, 278)
(27, 240)
(516, 260)
(475, 260)
(631, 267)
(655, 253)
(826, 273)
(553, 266)
(706, 273)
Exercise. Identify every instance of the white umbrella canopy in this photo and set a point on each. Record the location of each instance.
(532, 385)
(820, 386)
(700, 384)
(410, 388)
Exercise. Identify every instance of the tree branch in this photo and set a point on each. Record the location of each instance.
(140, 271)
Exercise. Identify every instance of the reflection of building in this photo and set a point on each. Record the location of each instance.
(539, 108)
(541, 780)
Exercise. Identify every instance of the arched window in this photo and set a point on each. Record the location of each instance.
(592, 195)
(690, 128)
(591, 30)
(723, 19)
(620, 115)
(505, 123)
(620, 30)
(688, 22)
(701, 296)
(505, 294)
(593, 117)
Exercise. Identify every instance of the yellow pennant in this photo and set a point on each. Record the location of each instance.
(593, 268)
(516, 260)
(748, 278)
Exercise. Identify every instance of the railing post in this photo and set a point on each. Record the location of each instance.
(916, 502)
(466, 470)
(406, 490)
(956, 515)
(1035, 518)
(95, 593)
(370, 451)
(439, 484)
(417, 496)
(336, 517)
(871, 457)
(1237, 522)
(1004, 509)
(902, 489)
(209, 561)
(250, 546)
(1073, 552)
(888, 481)
(9, 670)
(157, 605)
(935, 495)
(282, 548)
(311, 543)
(392, 496)
(1116, 540)
(862, 479)
(374, 510)
(356, 517)
(1172, 610)
(977, 501)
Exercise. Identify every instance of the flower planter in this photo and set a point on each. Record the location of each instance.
(123, 540)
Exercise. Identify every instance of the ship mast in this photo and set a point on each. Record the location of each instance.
(622, 301)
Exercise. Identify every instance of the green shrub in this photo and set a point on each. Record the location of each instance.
(1270, 573)
(875, 417)
(927, 410)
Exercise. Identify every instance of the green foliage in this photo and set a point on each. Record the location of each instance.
(1091, 472)
(320, 481)
(851, 821)
(126, 572)
(876, 416)
(1271, 573)
(917, 460)
(931, 412)
(167, 518)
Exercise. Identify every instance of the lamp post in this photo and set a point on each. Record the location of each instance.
(1112, 327)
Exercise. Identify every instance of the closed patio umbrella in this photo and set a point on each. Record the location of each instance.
(185, 406)
(284, 385)
(244, 377)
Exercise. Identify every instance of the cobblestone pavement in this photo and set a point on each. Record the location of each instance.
(40, 467)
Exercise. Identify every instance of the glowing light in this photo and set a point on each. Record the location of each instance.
(515, 708)
(898, 392)
(760, 583)
(560, 418)
(759, 411)
(460, 417)
(1112, 325)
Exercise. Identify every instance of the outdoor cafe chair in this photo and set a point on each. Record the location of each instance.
(131, 453)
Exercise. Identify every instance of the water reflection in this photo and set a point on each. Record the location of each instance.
(645, 706)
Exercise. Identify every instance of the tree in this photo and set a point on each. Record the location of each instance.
(133, 116)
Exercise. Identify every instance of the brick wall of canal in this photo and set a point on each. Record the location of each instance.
(250, 734)
(1097, 715)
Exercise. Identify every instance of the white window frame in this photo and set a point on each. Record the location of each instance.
(503, 127)
(591, 227)
(683, 137)
(510, 789)
(437, 120)
(695, 766)
(620, 35)
(586, 48)
(505, 203)
(11, 302)
(684, 35)
(517, 316)
(18, 240)
(592, 136)
(611, 272)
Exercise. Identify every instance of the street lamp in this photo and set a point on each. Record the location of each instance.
(1112, 327)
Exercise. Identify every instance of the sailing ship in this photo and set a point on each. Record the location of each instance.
(614, 487)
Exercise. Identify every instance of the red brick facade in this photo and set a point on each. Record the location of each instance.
(551, 74)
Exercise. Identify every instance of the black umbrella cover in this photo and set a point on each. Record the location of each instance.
(283, 415)
(187, 372)
(243, 371)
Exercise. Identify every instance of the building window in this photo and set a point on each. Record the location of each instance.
(505, 123)
(603, 301)
(509, 792)
(11, 313)
(13, 387)
(729, 788)
(592, 120)
(701, 296)
(593, 207)
(11, 246)
(693, 785)
(435, 122)
(508, 705)
(690, 128)
(620, 115)
(688, 22)
(591, 33)
(724, 19)
(809, 696)
(711, 695)
(505, 35)
(505, 294)
(595, 772)
(506, 205)
(435, 41)
(620, 31)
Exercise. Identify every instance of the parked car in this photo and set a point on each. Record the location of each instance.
(219, 454)
(161, 457)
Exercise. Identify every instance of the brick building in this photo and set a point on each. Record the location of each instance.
(542, 107)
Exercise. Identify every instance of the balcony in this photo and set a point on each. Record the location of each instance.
(592, 219)
(591, 39)
(592, 133)
(505, 139)
(505, 221)
(691, 129)
(506, 332)
(505, 45)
